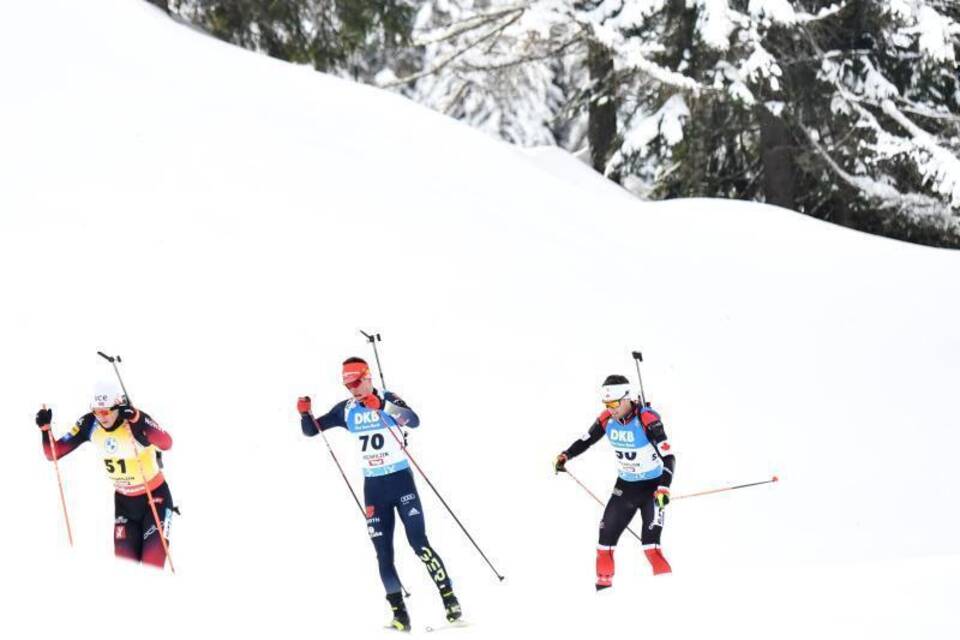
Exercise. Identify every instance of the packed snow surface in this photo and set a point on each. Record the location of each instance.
(227, 222)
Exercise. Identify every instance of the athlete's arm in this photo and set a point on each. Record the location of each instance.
(148, 432)
(657, 435)
(77, 435)
(396, 408)
(334, 418)
(593, 436)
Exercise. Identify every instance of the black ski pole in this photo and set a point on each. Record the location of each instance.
(113, 360)
(153, 508)
(373, 339)
(637, 359)
(599, 501)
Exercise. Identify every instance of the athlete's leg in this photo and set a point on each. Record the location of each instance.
(127, 530)
(411, 514)
(153, 552)
(652, 529)
(380, 524)
(616, 516)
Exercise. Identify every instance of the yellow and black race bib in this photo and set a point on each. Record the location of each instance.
(123, 465)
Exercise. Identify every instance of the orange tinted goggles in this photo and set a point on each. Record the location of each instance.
(356, 383)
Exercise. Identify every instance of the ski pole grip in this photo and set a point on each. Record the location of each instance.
(638, 356)
(104, 356)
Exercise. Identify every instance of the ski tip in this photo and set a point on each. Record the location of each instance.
(448, 625)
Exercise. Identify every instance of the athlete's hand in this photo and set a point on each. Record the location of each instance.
(394, 409)
(44, 418)
(662, 496)
(559, 463)
(128, 413)
(303, 405)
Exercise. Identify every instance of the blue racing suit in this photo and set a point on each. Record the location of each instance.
(388, 484)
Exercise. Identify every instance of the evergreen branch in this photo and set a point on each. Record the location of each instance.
(826, 12)
(884, 195)
(947, 165)
(493, 33)
(550, 53)
(920, 110)
(470, 23)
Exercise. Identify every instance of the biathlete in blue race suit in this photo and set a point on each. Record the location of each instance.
(645, 466)
(388, 488)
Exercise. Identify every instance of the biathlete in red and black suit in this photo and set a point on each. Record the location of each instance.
(645, 466)
(388, 487)
(132, 461)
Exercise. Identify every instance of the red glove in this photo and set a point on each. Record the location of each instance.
(303, 404)
(371, 401)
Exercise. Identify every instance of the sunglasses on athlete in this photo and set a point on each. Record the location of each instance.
(356, 383)
(104, 413)
(613, 404)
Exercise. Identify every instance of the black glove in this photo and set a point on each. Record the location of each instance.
(127, 413)
(44, 417)
(558, 464)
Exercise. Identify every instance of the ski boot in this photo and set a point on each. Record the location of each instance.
(401, 619)
(605, 568)
(451, 605)
(658, 563)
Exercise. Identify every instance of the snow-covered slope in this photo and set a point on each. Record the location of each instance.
(227, 222)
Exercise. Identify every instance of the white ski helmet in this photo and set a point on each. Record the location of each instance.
(615, 387)
(106, 395)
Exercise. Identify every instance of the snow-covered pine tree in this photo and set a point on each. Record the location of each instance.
(344, 37)
(846, 110)
(887, 123)
(496, 64)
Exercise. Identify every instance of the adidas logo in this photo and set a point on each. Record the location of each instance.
(413, 512)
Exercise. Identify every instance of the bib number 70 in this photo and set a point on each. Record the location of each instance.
(375, 441)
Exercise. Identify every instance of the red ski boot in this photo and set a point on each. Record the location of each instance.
(604, 568)
(657, 561)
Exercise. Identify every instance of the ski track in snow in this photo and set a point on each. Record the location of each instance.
(220, 219)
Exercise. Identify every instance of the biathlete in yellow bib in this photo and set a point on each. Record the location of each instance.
(129, 442)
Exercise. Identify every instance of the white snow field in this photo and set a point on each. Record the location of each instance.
(227, 222)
